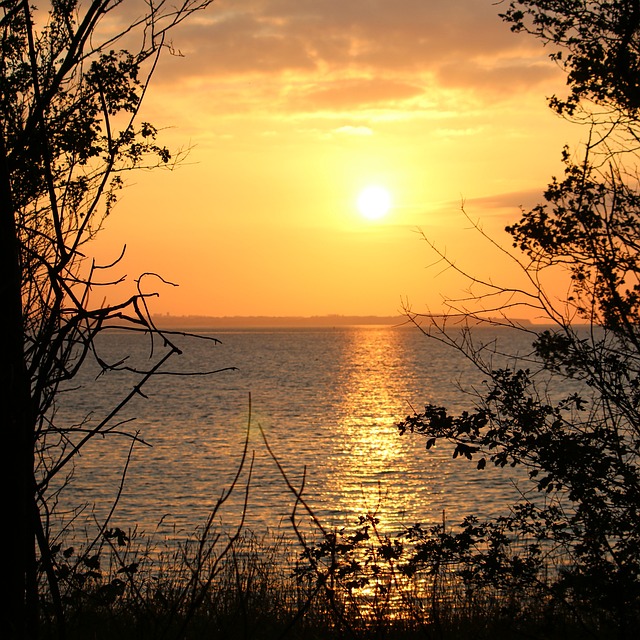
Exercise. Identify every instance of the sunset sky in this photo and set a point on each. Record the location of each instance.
(291, 108)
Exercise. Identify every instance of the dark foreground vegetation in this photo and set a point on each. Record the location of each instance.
(353, 584)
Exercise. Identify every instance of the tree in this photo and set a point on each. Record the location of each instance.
(570, 414)
(71, 88)
(596, 43)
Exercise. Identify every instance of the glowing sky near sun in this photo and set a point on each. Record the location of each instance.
(291, 108)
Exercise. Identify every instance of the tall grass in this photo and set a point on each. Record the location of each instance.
(350, 584)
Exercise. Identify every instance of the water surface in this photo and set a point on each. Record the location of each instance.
(328, 401)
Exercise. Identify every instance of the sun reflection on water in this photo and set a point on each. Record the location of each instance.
(371, 469)
(369, 458)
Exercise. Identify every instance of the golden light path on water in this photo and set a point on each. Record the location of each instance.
(373, 469)
(366, 425)
(372, 459)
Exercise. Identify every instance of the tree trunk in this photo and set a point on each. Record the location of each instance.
(18, 605)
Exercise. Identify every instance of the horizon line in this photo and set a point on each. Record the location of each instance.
(332, 319)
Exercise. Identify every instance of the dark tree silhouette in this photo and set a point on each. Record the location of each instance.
(569, 411)
(71, 88)
(596, 43)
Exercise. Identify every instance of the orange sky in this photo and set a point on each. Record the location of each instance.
(290, 108)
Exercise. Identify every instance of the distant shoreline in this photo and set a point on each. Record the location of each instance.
(206, 322)
(168, 321)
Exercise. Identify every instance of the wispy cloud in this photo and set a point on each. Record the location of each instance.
(351, 130)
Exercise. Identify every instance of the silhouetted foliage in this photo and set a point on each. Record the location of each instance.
(596, 43)
(73, 78)
(568, 411)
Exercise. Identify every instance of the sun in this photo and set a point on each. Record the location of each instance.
(374, 202)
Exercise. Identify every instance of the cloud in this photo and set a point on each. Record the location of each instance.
(500, 203)
(352, 130)
(498, 79)
(458, 133)
(357, 93)
(462, 43)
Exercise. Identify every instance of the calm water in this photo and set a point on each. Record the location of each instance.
(327, 400)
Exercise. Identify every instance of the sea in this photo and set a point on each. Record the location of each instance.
(283, 423)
